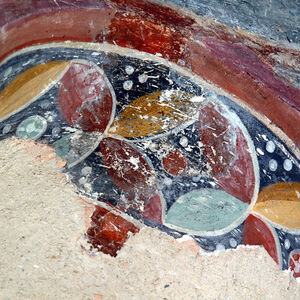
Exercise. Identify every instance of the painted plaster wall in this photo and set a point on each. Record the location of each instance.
(190, 126)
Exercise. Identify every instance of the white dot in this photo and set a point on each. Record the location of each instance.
(196, 178)
(287, 244)
(288, 165)
(153, 147)
(50, 116)
(86, 171)
(87, 187)
(129, 70)
(45, 104)
(273, 165)
(168, 181)
(55, 131)
(184, 141)
(232, 242)
(127, 85)
(220, 247)
(143, 78)
(270, 147)
(82, 181)
(6, 129)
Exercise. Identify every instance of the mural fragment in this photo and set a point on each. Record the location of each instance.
(181, 122)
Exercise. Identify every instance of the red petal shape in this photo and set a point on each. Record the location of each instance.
(216, 133)
(256, 232)
(240, 180)
(128, 169)
(84, 98)
(227, 152)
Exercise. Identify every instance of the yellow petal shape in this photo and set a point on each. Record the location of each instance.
(154, 114)
(280, 203)
(28, 85)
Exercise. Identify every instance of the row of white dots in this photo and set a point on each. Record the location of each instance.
(233, 243)
(287, 165)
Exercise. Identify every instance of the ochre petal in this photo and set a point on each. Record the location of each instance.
(280, 203)
(28, 85)
(154, 114)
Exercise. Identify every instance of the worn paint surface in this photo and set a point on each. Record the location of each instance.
(177, 120)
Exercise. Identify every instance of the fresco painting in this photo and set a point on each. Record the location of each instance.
(176, 120)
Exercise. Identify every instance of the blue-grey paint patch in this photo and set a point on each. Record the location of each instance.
(275, 19)
(32, 128)
(62, 146)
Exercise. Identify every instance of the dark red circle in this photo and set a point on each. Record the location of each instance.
(175, 163)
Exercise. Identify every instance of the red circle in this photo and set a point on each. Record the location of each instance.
(175, 163)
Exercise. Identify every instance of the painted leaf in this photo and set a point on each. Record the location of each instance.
(27, 86)
(85, 98)
(257, 232)
(280, 203)
(227, 151)
(205, 210)
(131, 173)
(155, 113)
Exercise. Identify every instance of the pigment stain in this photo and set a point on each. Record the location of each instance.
(108, 232)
